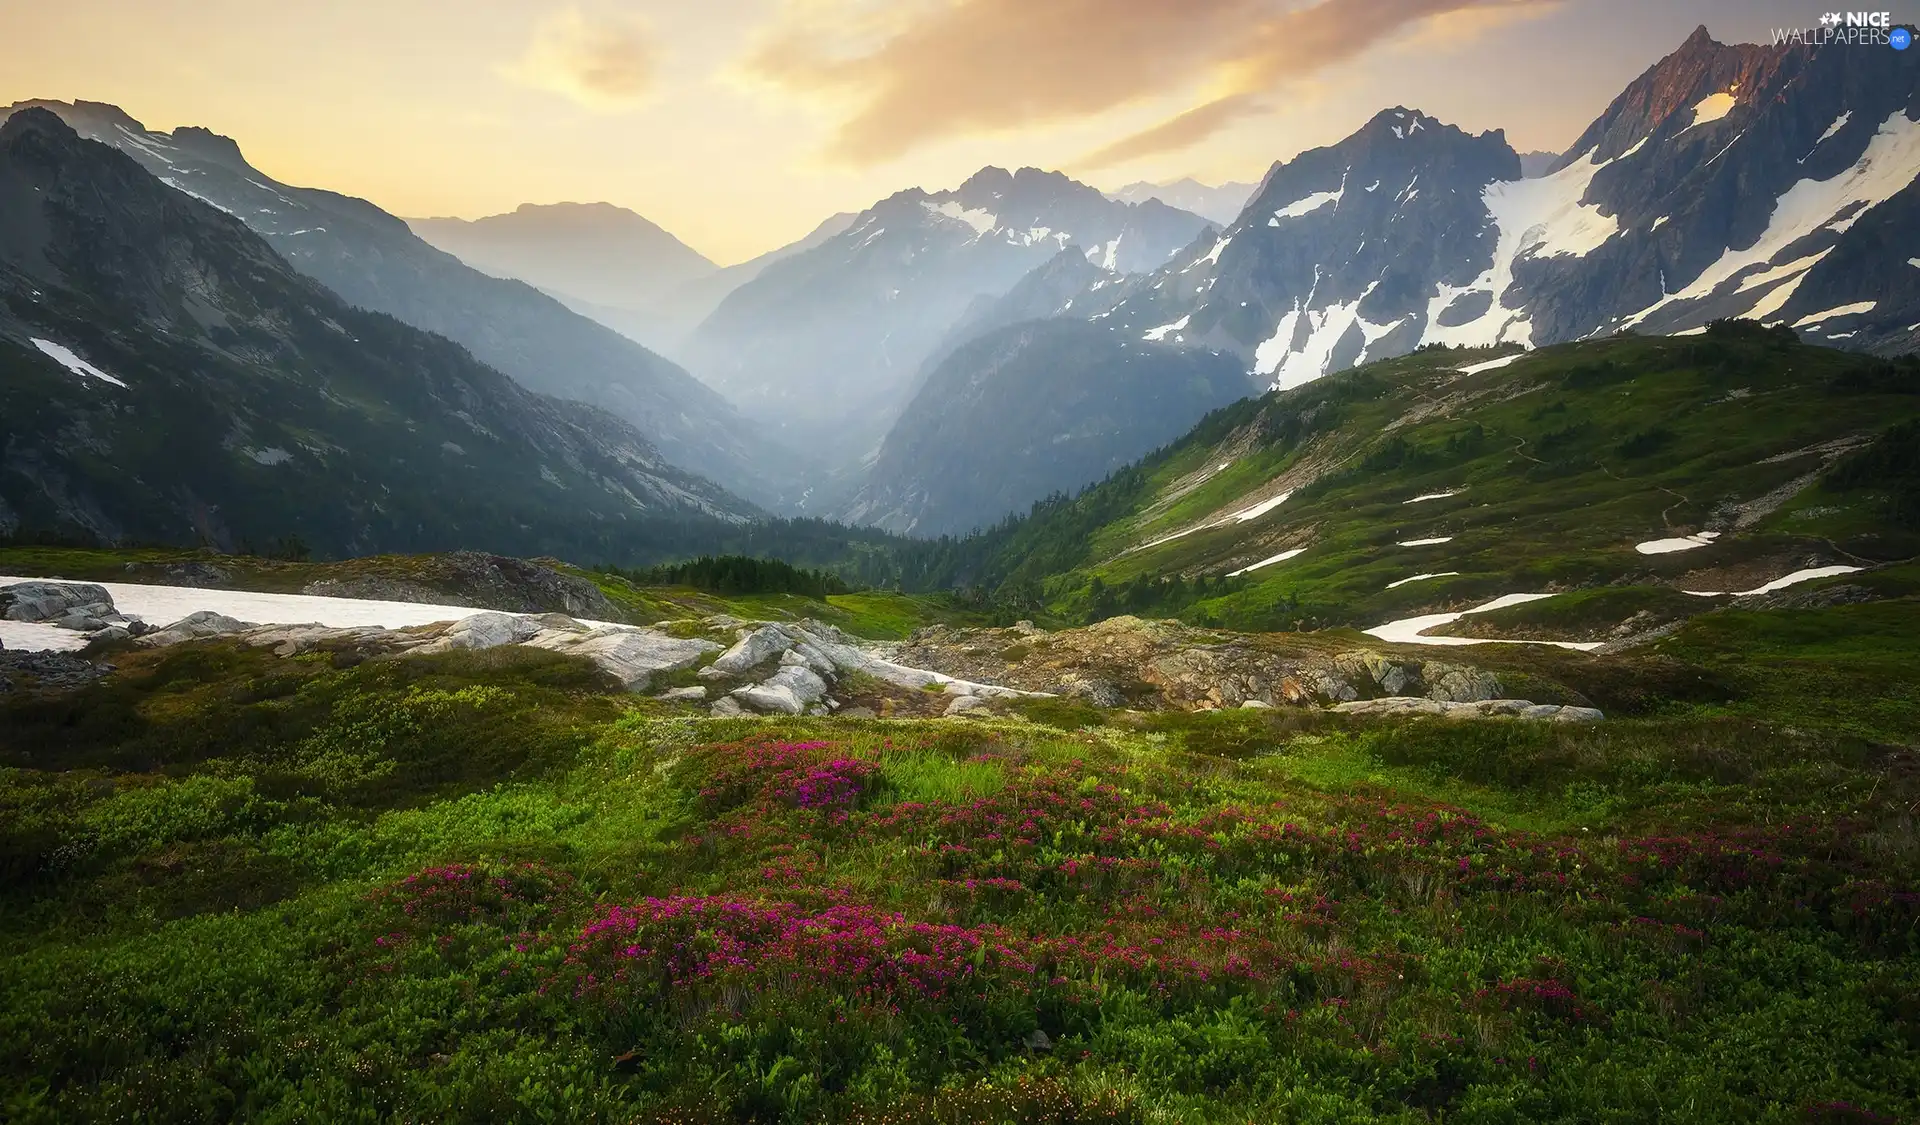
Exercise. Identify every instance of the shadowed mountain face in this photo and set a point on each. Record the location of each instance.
(165, 375)
(373, 260)
(827, 343)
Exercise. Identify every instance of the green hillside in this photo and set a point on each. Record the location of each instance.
(1558, 463)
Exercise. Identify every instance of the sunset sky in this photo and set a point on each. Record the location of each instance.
(740, 124)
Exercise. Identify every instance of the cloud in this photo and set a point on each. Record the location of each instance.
(602, 61)
(909, 74)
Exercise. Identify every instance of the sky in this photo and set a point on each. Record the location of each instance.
(740, 124)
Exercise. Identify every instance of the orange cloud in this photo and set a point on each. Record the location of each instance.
(955, 67)
(603, 62)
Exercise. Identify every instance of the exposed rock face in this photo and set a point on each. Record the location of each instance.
(80, 606)
(1485, 709)
(1162, 663)
(473, 578)
(47, 671)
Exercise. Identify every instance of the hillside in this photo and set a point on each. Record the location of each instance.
(1447, 478)
(166, 377)
(373, 261)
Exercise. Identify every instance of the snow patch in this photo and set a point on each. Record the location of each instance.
(1682, 543)
(1281, 557)
(979, 218)
(1433, 496)
(1160, 333)
(1260, 509)
(1411, 630)
(1311, 203)
(1711, 108)
(1489, 365)
(64, 356)
(1833, 313)
(1423, 578)
(1793, 579)
(1427, 542)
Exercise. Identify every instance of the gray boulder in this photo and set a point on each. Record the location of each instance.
(789, 691)
(1404, 705)
(54, 601)
(194, 626)
(633, 656)
(751, 651)
(692, 694)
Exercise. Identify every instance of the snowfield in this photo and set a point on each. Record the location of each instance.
(161, 606)
(1682, 543)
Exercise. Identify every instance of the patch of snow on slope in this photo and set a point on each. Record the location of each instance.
(1711, 108)
(63, 355)
(1839, 123)
(1682, 543)
(1538, 218)
(32, 636)
(1160, 333)
(1833, 313)
(979, 218)
(1311, 203)
(1432, 496)
(1423, 578)
(1325, 327)
(1411, 630)
(1793, 579)
(1914, 262)
(1257, 510)
(185, 190)
(1489, 365)
(1427, 542)
(1281, 557)
(1890, 163)
(1213, 255)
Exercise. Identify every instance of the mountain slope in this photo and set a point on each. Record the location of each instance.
(593, 252)
(1441, 480)
(1023, 411)
(826, 343)
(372, 260)
(165, 375)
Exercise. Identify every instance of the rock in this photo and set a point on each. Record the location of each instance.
(47, 671)
(630, 654)
(86, 619)
(727, 707)
(692, 694)
(721, 621)
(1393, 677)
(859, 713)
(1404, 705)
(788, 692)
(378, 589)
(751, 651)
(51, 601)
(1038, 1041)
(194, 626)
(111, 634)
(486, 630)
(962, 704)
(1457, 683)
(1256, 705)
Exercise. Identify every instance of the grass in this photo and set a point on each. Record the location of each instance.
(487, 887)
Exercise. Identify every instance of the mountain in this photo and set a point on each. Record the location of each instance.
(1221, 204)
(1618, 473)
(1534, 164)
(1725, 181)
(166, 376)
(594, 252)
(827, 343)
(1030, 409)
(373, 260)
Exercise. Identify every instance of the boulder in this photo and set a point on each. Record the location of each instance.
(692, 694)
(962, 704)
(486, 630)
(727, 707)
(1457, 683)
(52, 601)
(201, 623)
(790, 691)
(751, 651)
(631, 655)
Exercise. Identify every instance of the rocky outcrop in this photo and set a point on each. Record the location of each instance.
(1405, 706)
(80, 606)
(1166, 664)
(473, 578)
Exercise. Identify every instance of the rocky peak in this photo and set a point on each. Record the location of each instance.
(210, 145)
(1674, 93)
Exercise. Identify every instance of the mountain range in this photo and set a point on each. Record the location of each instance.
(373, 260)
(1221, 204)
(829, 343)
(166, 376)
(1725, 181)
